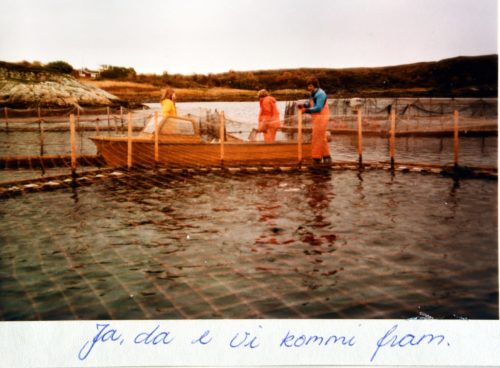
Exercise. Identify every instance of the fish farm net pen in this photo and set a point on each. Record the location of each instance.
(37, 138)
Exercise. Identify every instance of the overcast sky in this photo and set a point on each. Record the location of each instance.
(211, 36)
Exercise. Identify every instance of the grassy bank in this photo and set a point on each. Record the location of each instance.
(138, 93)
(144, 92)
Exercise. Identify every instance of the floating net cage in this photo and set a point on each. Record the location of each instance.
(37, 144)
(86, 239)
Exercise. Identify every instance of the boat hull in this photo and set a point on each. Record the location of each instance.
(188, 154)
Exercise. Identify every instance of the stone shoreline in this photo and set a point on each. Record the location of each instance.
(27, 89)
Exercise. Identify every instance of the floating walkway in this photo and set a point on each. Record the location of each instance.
(18, 187)
(382, 122)
(48, 161)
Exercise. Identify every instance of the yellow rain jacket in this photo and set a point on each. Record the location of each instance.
(168, 108)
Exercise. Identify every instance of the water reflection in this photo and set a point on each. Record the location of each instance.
(319, 193)
(74, 191)
(269, 204)
(453, 198)
(301, 245)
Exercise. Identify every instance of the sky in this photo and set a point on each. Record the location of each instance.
(214, 36)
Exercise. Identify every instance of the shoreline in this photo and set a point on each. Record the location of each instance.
(140, 93)
(133, 95)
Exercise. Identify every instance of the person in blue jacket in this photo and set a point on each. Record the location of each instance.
(317, 106)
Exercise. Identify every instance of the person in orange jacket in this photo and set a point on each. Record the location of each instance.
(269, 116)
(317, 106)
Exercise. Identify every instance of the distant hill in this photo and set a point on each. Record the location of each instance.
(471, 76)
(460, 76)
(464, 76)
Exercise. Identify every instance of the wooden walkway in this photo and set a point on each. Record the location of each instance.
(438, 133)
(18, 187)
(47, 161)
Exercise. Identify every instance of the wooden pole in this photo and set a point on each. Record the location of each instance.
(360, 137)
(121, 116)
(109, 124)
(6, 118)
(42, 136)
(40, 127)
(455, 137)
(299, 136)
(73, 142)
(156, 138)
(222, 123)
(393, 136)
(129, 142)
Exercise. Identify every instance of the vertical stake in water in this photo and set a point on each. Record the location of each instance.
(42, 136)
(121, 116)
(6, 119)
(455, 137)
(39, 113)
(129, 142)
(156, 137)
(72, 129)
(392, 141)
(299, 136)
(360, 138)
(222, 124)
(109, 124)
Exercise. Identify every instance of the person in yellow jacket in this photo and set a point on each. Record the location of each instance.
(167, 104)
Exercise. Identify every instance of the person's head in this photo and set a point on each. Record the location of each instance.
(262, 93)
(312, 84)
(168, 93)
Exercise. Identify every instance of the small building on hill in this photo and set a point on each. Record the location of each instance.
(86, 73)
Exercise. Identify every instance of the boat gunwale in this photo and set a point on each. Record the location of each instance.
(160, 141)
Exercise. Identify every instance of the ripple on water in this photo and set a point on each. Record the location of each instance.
(253, 245)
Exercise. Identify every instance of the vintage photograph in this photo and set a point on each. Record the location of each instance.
(263, 159)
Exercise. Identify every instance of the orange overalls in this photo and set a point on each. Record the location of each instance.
(269, 118)
(319, 144)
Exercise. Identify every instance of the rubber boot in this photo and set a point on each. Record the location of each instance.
(327, 160)
(316, 161)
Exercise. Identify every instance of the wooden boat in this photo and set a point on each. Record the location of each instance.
(180, 144)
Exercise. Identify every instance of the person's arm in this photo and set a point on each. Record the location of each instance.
(319, 103)
(266, 110)
(261, 118)
(267, 107)
(167, 107)
(303, 105)
(164, 108)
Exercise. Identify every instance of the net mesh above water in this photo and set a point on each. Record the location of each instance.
(420, 123)
(163, 244)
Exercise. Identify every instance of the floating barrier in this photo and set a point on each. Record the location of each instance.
(18, 187)
(391, 121)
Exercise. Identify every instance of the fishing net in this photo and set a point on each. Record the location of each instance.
(38, 140)
(83, 239)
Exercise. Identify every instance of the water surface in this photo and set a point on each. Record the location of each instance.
(268, 245)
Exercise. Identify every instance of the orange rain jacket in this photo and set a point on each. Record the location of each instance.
(269, 118)
(319, 144)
